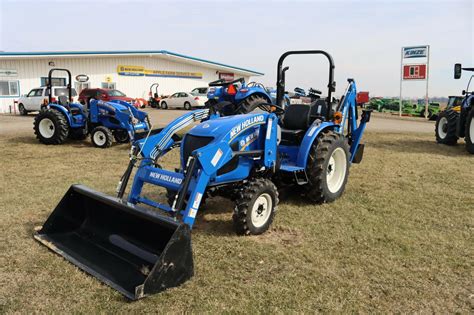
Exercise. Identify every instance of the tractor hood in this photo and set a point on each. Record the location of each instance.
(229, 126)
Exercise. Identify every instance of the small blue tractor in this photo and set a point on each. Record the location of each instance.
(246, 97)
(457, 120)
(139, 251)
(104, 121)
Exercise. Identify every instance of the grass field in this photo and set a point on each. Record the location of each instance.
(399, 240)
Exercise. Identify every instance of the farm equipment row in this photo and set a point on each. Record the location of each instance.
(240, 156)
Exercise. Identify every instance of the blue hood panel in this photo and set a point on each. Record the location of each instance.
(221, 126)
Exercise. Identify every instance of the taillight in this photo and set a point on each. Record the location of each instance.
(196, 98)
(244, 90)
(231, 90)
(53, 100)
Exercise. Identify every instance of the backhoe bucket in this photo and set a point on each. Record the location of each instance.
(134, 250)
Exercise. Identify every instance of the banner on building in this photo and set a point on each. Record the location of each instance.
(226, 76)
(8, 73)
(141, 71)
(415, 52)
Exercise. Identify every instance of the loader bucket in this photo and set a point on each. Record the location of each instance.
(132, 249)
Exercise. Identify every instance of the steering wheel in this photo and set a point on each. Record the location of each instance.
(272, 108)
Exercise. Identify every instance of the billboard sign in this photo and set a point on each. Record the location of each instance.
(138, 71)
(415, 52)
(414, 72)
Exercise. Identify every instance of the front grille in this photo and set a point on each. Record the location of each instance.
(191, 143)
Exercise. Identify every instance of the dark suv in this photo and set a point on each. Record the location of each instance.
(103, 95)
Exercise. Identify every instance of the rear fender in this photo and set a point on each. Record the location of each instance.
(311, 134)
(79, 123)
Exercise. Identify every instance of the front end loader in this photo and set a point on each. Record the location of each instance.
(140, 246)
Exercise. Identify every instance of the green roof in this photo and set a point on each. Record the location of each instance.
(121, 52)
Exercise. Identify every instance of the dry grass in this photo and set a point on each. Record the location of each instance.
(399, 240)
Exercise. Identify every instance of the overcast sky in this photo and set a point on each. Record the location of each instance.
(364, 37)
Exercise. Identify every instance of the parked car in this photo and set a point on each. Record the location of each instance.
(201, 93)
(103, 95)
(37, 98)
(183, 100)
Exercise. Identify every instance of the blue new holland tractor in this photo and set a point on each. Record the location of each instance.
(104, 121)
(245, 97)
(139, 251)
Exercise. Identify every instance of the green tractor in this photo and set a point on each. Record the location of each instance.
(457, 120)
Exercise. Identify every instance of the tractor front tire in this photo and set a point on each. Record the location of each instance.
(255, 207)
(445, 127)
(251, 104)
(328, 167)
(470, 132)
(101, 137)
(121, 136)
(51, 127)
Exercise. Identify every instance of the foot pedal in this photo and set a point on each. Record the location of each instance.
(301, 177)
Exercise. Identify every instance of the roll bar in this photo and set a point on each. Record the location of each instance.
(49, 84)
(281, 73)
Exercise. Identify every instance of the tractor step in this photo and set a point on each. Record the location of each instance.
(299, 173)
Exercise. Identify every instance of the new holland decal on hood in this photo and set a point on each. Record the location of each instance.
(255, 120)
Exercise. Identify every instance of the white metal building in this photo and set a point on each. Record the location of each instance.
(131, 72)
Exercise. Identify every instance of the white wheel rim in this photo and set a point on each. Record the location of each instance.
(261, 210)
(100, 138)
(336, 170)
(46, 128)
(471, 129)
(442, 127)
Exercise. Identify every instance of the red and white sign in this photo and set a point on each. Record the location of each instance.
(414, 72)
(226, 76)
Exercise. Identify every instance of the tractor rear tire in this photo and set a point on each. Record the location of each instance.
(445, 127)
(51, 127)
(328, 167)
(255, 207)
(101, 137)
(470, 132)
(251, 104)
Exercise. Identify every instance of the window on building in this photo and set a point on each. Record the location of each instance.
(79, 86)
(9, 88)
(108, 85)
(54, 81)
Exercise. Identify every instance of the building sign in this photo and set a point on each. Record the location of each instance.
(415, 52)
(414, 72)
(82, 78)
(141, 71)
(8, 73)
(226, 76)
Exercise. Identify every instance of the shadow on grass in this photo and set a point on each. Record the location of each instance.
(72, 143)
(409, 145)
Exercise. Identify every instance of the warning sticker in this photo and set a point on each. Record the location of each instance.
(197, 200)
(216, 157)
(193, 212)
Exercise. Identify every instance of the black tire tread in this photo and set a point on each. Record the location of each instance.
(61, 125)
(254, 186)
(250, 103)
(451, 137)
(108, 134)
(315, 170)
(469, 141)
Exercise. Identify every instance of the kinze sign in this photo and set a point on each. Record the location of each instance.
(414, 72)
(415, 52)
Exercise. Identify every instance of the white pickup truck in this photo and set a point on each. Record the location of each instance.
(37, 98)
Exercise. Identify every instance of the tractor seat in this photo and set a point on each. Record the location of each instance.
(295, 123)
(319, 108)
